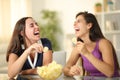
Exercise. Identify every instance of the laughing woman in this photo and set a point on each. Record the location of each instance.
(97, 53)
(24, 53)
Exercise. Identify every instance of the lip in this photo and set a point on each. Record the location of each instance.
(36, 33)
(77, 29)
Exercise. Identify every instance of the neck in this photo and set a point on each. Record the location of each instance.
(86, 39)
(29, 42)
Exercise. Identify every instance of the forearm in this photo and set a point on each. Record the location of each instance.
(103, 67)
(15, 68)
(47, 57)
(66, 71)
(71, 62)
(29, 71)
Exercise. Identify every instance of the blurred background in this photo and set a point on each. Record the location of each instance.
(56, 18)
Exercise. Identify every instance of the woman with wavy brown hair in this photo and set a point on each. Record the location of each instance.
(24, 53)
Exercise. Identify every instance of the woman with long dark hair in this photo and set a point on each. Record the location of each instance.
(97, 53)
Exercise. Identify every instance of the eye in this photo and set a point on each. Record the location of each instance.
(36, 23)
(78, 21)
(31, 25)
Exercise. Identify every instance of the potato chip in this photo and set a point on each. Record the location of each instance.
(74, 40)
(50, 72)
(45, 49)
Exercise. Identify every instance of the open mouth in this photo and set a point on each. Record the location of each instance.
(77, 29)
(36, 33)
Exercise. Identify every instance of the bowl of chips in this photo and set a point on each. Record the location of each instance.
(50, 72)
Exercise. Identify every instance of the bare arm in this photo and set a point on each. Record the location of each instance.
(70, 63)
(15, 64)
(29, 71)
(47, 57)
(107, 65)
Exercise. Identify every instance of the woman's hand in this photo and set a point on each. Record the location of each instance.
(81, 48)
(36, 47)
(74, 70)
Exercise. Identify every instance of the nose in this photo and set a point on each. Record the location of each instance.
(36, 26)
(74, 24)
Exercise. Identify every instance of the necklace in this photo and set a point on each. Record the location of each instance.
(34, 62)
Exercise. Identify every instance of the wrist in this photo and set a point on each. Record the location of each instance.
(27, 51)
(75, 51)
(87, 55)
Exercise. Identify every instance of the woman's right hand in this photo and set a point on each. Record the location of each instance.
(36, 47)
(74, 70)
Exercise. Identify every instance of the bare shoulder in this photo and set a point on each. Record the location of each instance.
(13, 56)
(105, 44)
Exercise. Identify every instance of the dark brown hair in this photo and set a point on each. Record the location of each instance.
(95, 31)
(17, 39)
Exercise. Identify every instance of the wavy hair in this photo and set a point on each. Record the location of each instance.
(17, 39)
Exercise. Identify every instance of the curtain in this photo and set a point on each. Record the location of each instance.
(10, 12)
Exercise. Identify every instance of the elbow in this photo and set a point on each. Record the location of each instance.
(11, 74)
(64, 71)
(110, 73)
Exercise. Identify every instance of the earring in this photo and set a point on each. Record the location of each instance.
(22, 45)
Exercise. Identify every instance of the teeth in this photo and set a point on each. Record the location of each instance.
(36, 33)
(77, 29)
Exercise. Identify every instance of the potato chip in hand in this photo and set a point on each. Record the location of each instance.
(45, 49)
(74, 40)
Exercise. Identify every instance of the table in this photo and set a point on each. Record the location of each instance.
(62, 77)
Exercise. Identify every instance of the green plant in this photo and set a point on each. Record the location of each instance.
(50, 27)
(98, 4)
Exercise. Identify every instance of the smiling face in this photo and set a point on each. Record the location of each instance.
(32, 30)
(81, 27)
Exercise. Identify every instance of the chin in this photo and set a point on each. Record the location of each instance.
(77, 35)
(37, 38)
